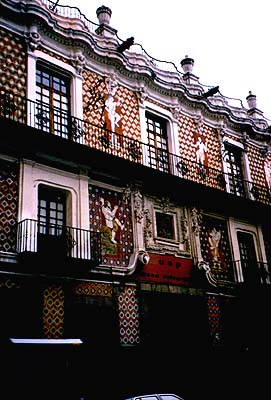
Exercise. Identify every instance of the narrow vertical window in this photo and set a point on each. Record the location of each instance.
(248, 258)
(157, 142)
(51, 220)
(53, 98)
(233, 159)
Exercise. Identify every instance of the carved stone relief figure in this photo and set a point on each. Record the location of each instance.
(148, 227)
(138, 206)
(196, 220)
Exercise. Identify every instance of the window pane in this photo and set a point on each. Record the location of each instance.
(158, 143)
(53, 89)
(165, 225)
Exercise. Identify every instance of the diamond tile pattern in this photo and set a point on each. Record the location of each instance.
(188, 134)
(53, 312)
(129, 316)
(256, 165)
(213, 313)
(13, 63)
(9, 176)
(94, 289)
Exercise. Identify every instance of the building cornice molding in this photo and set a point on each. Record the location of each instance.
(161, 79)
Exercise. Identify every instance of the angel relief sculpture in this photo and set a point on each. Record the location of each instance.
(111, 227)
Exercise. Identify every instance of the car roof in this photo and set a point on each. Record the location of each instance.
(157, 396)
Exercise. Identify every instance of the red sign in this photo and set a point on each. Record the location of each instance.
(166, 269)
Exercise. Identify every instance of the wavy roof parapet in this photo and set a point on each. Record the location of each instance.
(136, 59)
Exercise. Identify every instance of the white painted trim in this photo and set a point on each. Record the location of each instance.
(46, 341)
(32, 175)
(76, 80)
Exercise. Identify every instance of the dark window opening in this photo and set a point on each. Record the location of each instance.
(52, 221)
(158, 142)
(248, 257)
(233, 158)
(165, 225)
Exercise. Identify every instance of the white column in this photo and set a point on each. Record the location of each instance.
(77, 96)
(31, 88)
(31, 76)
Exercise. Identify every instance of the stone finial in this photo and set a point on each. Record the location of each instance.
(253, 111)
(251, 100)
(104, 14)
(187, 64)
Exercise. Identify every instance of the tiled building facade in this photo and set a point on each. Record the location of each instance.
(135, 204)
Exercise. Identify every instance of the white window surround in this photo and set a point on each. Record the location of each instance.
(155, 243)
(238, 226)
(32, 175)
(76, 80)
(175, 230)
(240, 146)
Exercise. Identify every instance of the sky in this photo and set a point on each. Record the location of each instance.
(229, 40)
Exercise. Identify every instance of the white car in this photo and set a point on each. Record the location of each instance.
(163, 396)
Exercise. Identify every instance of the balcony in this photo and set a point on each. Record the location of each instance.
(52, 121)
(46, 243)
(252, 274)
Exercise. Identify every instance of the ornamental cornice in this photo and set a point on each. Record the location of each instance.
(167, 83)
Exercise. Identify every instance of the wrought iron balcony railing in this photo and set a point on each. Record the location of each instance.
(70, 13)
(252, 273)
(54, 121)
(63, 241)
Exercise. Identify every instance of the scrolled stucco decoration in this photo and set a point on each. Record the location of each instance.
(221, 130)
(185, 233)
(245, 140)
(33, 40)
(165, 204)
(142, 95)
(79, 63)
(196, 219)
(199, 122)
(265, 151)
(203, 265)
(148, 227)
(175, 111)
(111, 84)
(138, 206)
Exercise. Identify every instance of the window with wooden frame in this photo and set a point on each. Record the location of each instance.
(234, 169)
(53, 98)
(157, 140)
(51, 219)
